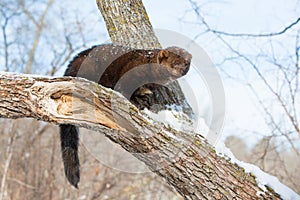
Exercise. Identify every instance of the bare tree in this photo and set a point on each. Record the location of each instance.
(9, 153)
(275, 66)
(188, 172)
(8, 13)
(39, 24)
(35, 169)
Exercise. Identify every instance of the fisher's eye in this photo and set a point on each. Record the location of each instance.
(176, 63)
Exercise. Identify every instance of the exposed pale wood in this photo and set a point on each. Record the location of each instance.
(185, 160)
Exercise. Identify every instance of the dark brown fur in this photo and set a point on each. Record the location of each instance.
(106, 64)
(125, 70)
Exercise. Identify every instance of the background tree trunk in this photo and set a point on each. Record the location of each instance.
(128, 24)
(185, 160)
(39, 23)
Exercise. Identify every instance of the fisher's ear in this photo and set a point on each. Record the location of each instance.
(162, 55)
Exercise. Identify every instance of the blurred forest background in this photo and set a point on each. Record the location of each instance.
(40, 37)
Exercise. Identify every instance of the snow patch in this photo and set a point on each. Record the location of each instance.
(179, 121)
(27, 76)
(263, 179)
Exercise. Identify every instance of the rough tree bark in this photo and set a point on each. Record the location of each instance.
(185, 160)
(128, 24)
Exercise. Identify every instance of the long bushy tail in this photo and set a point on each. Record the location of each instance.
(69, 148)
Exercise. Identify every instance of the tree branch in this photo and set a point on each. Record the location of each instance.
(40, 26)
(257, 35)
(196, 8)
(185, 160)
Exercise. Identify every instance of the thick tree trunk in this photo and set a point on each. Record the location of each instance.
(185, 160)
(128, 24)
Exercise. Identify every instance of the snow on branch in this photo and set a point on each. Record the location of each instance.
(185, 160)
